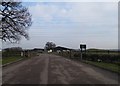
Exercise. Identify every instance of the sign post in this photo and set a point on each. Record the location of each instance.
(82, 47)
(22, 54)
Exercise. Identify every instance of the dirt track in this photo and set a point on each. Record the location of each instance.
(52, 69)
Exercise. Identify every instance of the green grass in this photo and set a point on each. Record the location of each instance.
(0, 61)
(108, 66)
(10, 59)
(115, 67)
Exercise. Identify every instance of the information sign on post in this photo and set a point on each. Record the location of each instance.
(82, 47)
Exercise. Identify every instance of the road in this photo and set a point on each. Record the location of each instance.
(53, 69)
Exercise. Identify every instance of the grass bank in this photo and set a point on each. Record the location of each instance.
(108, 66)
(10, 59)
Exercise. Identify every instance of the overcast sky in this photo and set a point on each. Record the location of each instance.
(71, 23)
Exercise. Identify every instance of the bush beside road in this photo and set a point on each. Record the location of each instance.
(103, 60)
(11, 55)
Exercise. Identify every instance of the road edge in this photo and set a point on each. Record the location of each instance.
(13, 62)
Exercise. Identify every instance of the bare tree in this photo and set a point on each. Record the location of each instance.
(15, 19)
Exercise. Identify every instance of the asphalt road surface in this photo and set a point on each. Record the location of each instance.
(52, 69)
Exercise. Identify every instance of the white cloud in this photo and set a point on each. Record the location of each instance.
(79, 12)
(93, 12)
(40, 11)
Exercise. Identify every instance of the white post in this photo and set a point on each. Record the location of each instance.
(21, 53)
(81, 55)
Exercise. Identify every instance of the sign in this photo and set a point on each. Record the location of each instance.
(83, 46)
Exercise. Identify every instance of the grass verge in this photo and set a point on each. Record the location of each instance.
(10, 59)
(108, 66)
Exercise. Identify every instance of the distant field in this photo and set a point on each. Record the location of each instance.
(103, 52)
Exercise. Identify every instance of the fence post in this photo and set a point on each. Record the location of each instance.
(70, 53)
